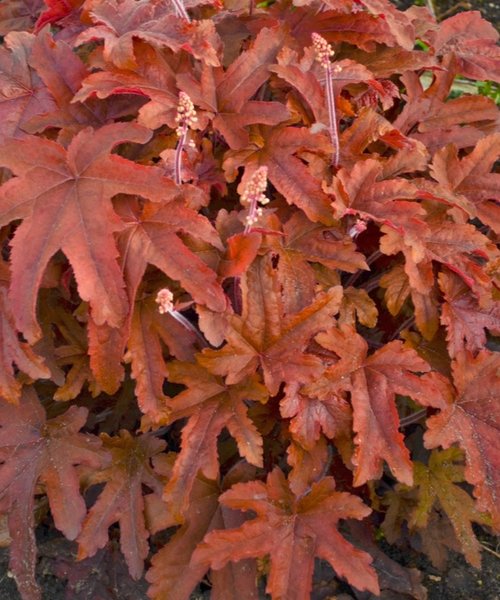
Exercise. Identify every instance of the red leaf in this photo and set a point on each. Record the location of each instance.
(227, 96)
(34, 450)
(263, 335)
(210, 406)
(154, 78)
(23, 94)
(373, 382)
(468, 183)
(18, 15)
(292, 531)
(119, 22)
(58, 193)
(474, 43)
(13, 351)
(276, 150)
(464, 319)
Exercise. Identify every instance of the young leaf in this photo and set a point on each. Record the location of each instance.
(34, 450)
(122, 498)
(58, 194)
(292, 531)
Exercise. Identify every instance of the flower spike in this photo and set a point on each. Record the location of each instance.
(324, 52)
(186, 119)
(253, 195)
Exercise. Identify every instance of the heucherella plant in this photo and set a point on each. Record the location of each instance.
(249, 295)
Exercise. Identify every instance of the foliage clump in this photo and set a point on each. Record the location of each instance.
(249, 289)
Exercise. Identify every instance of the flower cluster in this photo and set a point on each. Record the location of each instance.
(164, 299)
(324, 51)
(253, 196)
(186, 114)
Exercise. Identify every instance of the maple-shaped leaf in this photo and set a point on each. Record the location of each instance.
(154, 78)
(122, 500)
(384, 62)
(455, 245)
(364, 191)
(119, 22)
(276, 149)
(373, 382)
(151, 236)
(357, 304)
(19, 15)
(210, 406)
(12, 350)
(292, 531)
(360, 28)
(430, 117)
(226, 96)
(469, 417)
(468, 182)
(474, 42)
(173, 576)
(63, 71)
(22, 93)
(437, 484)
(34, 450)
(63, 197)
(463, 318)
(264, 335)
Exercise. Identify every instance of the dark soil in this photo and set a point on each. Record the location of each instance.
(105, 578)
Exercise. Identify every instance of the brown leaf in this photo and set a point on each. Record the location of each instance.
(292, 530)
(121, 500)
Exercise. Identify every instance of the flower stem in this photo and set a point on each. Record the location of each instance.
(179, 149)
(332, 115)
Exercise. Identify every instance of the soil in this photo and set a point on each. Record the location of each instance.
(105, 577)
